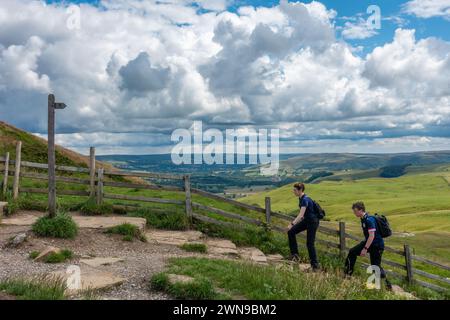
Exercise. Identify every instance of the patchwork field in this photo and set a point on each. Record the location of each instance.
(417, 204)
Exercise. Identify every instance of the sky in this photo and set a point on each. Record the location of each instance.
(332, 76)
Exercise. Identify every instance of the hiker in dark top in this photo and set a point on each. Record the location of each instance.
(306, 220)
(373, 243)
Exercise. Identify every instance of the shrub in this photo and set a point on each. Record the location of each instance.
(129, 231)
(174, 220)
(41, 288)
(194, 247)
(61, 226)
(91, 208)
(59, 257)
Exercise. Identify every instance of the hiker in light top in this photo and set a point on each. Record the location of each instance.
(306, 220)
(373, 243)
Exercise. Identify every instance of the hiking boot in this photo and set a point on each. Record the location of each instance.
(315, 268)
(294, 258)
(388, 285)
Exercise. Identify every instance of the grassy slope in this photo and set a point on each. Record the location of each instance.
(417, 203)
(34, 149)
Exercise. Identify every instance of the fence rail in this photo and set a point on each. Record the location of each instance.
(96, 182)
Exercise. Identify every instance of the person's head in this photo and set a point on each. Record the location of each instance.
(359, 209)
(299, 189)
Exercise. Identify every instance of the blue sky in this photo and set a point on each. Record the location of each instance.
(132, 72)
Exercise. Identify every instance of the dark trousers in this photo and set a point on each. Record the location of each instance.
(310, 225)
(375, 253)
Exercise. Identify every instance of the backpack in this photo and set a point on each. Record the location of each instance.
(383, 225)
(320, 213)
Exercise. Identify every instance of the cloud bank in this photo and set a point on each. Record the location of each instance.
(136, 70)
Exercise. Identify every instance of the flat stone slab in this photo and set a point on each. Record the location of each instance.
(46, 252)
(221, 247)
(108, 222)
(252, 254)
(97, 262)
(274, 258)
(398, 291)
(81, 221)
(175, 238)
(92, 279)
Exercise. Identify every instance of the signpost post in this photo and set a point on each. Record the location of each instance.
(52, 106)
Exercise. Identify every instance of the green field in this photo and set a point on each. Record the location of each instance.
(417, 203)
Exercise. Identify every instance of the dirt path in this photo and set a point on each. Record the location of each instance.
(140, 260)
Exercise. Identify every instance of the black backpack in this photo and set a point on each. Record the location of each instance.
(320, 213)
(383, 225)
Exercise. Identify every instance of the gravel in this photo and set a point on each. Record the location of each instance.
(141, 260)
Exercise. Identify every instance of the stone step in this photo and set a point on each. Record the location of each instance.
(100, 222)
(98, 261)
(176, 238)
(90, 279)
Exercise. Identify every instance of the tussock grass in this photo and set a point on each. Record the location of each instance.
(39, 288)
(128, 231)
(198, 289)
(194, 247)
(167, 219)
(61, 226)
(91, 208)
(59, 257)
(33, 255)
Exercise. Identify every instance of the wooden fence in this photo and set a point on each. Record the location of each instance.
(97, 182)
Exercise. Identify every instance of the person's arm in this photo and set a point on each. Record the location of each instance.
(368, 242)
(299, 218)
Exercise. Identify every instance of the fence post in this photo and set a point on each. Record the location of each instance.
(92, 171)
(408, 261)
(17, 170)
(342, 238)
(5, 178)
(268, 210)
(187, 190)
(100, 186)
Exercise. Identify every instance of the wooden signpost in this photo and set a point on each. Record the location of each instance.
(52, 106)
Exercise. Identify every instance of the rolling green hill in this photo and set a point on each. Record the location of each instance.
(417, 203)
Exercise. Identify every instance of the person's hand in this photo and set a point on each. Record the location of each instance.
(363, 252)
(290, 226)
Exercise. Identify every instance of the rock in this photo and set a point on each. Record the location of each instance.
(221, 247)
(304, 267)
(26, 219)
(91, 279)
(176, 238)
(97, 262)
(252, 254)
(17, 240)
(397, 290)
(46, 252)
(274, 258)
(5, 296)
(177, 278)
(108, 222)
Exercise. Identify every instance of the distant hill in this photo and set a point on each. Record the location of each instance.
(353, 161)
